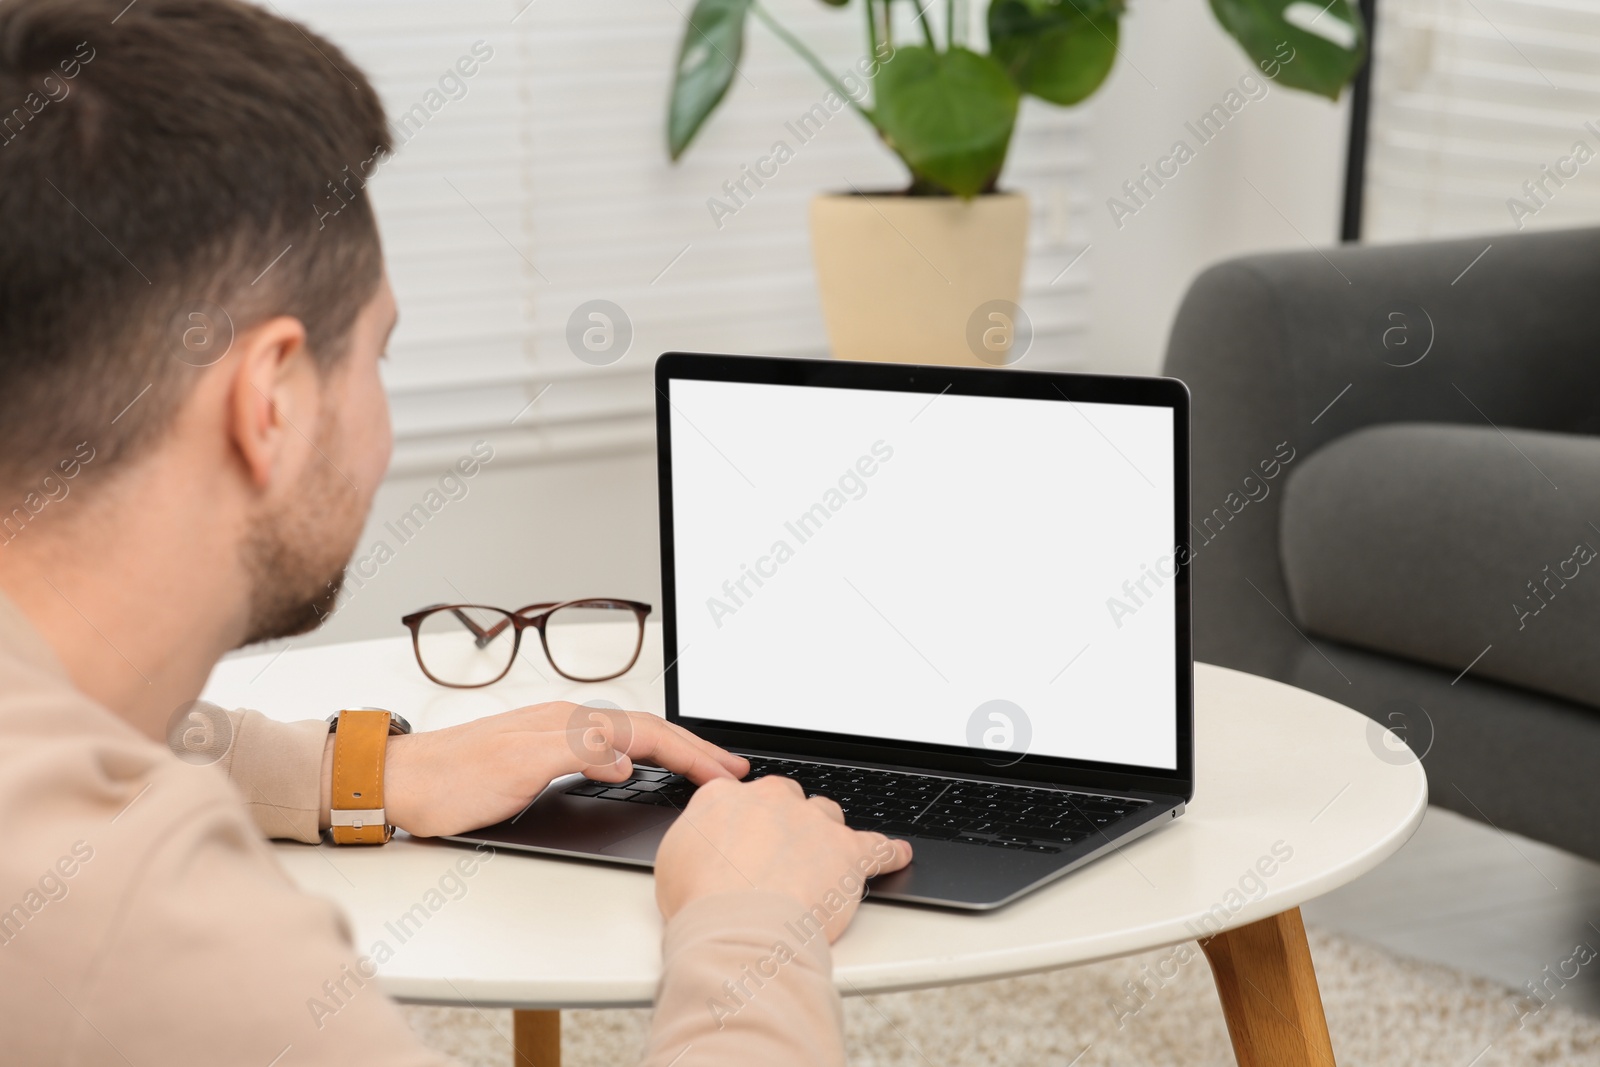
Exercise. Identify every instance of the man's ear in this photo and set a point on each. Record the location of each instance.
(273, 396)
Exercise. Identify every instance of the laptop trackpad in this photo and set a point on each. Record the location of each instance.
(584, 825)
(642, 845)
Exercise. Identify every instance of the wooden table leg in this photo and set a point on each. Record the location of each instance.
(537, 1038)
(1269, 993)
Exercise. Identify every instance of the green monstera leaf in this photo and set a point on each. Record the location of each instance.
(1298, 43)
(1060, 52)
(948, 114)
(708, 58)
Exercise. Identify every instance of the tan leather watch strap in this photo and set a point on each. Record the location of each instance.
(360, 744)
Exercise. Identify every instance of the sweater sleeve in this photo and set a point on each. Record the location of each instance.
(742, 983)
(277, 767)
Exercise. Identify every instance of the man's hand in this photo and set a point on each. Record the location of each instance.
(766, 835)
(463, 777)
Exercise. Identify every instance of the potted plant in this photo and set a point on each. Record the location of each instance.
(915, 274)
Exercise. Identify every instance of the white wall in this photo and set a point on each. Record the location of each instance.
(524, 532)
(1289, 145)
(529, 531)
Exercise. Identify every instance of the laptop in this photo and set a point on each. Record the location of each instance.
(954, 600)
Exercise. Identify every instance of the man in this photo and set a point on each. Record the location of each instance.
(168, 493)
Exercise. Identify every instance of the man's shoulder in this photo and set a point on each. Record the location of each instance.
(111, 843)
(90, 807)
(36, 696)
(66, 759)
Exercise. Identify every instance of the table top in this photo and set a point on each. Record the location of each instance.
(1295, 796)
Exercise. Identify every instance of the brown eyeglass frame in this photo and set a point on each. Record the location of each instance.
(521, 620)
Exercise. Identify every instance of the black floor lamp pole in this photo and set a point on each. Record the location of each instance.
(1355, 161)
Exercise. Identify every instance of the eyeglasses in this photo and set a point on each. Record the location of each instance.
(465, 646)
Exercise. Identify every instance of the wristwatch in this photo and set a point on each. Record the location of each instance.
(360, 745)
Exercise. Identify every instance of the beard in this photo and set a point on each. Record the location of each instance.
(295, 554)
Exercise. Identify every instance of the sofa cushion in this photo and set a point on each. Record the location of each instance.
(1453, 546)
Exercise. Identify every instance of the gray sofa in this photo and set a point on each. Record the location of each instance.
(1397, 503)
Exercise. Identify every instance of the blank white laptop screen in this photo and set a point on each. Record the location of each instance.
(903, 566)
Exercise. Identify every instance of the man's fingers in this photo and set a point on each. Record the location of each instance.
(781, 784)
(736, 766)
(887, 853)
(672, 747)
(620, 771)
(590, 749)
(829, 807)
(640, 735)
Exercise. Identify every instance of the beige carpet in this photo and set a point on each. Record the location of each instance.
(1384, 1011)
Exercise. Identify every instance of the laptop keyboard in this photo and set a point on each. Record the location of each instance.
(903, 804)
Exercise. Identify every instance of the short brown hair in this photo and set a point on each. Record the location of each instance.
(155, 159)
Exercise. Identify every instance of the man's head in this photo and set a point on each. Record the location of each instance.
(188, 262)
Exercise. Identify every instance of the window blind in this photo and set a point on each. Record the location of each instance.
(539, 184)
(1485, 117)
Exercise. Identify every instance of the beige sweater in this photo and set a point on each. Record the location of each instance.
(144, 919)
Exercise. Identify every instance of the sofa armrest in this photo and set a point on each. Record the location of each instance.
(1453, 545)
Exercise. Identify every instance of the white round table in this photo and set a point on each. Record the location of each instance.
(1296, 795)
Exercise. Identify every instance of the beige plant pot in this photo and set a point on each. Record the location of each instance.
(920, 279)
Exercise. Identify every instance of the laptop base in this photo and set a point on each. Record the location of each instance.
(945, 874)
